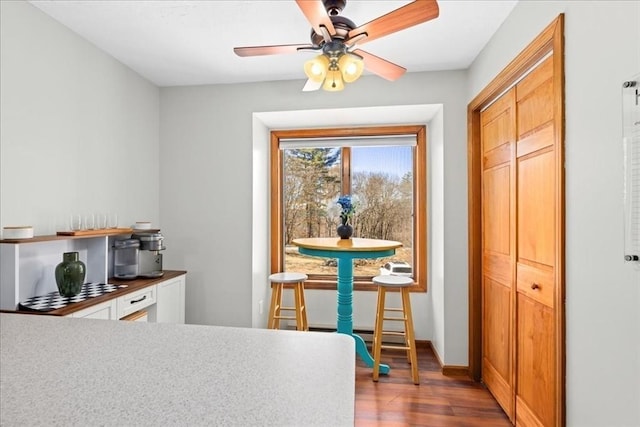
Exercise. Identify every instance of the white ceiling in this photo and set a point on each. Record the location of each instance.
(174, 43)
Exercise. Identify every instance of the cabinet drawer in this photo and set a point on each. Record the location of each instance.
(135, 301)
(137, 316)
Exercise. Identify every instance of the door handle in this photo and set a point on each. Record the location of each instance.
(535, 286)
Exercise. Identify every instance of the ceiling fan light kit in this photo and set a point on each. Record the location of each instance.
(333, 82)
(316, 68)
(351, 66)
(334, 71)
(336, 36)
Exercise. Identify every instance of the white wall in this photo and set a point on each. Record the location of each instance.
(207, 147)
(602, 49)
(79, 130)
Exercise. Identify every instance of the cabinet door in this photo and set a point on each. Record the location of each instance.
(536, 153)
(105, 311)
(170, 301)
(498, 249)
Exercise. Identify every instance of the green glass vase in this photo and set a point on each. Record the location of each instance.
(70, 274)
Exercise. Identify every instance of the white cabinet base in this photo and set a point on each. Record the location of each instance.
(170, 301)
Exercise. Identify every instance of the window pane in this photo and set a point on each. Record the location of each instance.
(311, 181)
(382, 184)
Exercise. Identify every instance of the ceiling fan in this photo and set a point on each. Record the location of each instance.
(337, 37)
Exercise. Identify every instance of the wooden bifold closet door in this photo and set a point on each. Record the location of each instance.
(498, 248)
(520, 235)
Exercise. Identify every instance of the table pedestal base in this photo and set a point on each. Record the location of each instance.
(363, 352)
(345, 311)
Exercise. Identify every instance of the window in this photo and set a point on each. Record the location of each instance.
(384, 168)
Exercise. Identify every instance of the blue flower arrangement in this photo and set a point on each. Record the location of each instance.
(348, 208)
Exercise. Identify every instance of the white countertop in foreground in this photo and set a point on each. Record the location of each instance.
(66, 371)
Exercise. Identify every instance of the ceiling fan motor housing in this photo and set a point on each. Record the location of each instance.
(342, 26)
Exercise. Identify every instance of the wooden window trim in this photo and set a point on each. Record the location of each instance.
(420, 196)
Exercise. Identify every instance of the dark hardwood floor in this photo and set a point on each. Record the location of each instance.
(438, 401)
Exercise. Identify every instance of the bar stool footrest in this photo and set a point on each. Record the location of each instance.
(397, 319)
(395, 347)
(395, 333)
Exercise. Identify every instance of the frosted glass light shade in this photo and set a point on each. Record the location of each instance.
(316, 68)
(333, 82)
(351, 67)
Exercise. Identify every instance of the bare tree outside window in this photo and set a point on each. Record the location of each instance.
(381, 182)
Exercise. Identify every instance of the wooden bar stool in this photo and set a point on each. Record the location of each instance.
(291, 280)
(404, 283)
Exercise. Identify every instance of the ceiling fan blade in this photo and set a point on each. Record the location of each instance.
(310, 86)
(414, 13)
(316, 14)
(270, 50)
(382, 67)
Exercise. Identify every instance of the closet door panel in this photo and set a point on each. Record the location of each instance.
(497, 360)
(536, 208)
(496, 210)
(498, 250)
(498, 123)
(536, 396)
(498, 284)
(535, 99)
(537, 236)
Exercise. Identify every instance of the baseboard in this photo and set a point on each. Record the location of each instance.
(367, 336)
(455, 371)
(449, 370)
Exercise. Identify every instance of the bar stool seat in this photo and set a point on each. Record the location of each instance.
(293, 280)
(403, 283)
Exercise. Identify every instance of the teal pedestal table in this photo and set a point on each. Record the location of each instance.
(345, 251)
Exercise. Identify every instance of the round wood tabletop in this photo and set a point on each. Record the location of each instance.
(355, 244)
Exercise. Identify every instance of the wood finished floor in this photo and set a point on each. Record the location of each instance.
(437, 401)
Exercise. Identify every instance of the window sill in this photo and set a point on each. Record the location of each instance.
(359, 285)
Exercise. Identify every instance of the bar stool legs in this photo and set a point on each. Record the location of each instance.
(278, 282)
(406, 317)
(274, 309)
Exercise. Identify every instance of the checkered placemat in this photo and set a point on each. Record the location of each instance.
(54, 300)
